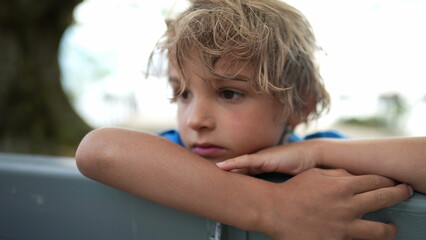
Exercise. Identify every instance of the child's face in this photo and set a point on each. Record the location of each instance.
(220, 119)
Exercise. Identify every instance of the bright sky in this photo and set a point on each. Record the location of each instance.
(372, 46)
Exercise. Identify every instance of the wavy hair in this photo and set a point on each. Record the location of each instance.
(271, 35)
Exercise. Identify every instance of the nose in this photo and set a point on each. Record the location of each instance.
(200, 116)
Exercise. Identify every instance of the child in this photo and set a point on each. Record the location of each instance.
(244, 76)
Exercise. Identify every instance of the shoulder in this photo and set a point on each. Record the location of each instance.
(321, 134)
(326, 134)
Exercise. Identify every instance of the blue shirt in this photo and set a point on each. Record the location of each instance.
(174, 136)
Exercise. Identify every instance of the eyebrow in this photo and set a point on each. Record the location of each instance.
(241, 78)
(173, 79)
(237, 77)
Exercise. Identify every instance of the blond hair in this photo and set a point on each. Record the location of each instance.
(270, 34)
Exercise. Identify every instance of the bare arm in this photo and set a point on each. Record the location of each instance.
(160, 171)
(402, 159)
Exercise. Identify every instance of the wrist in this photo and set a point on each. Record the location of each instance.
(317, 152)
(252, 212)
(273, 212)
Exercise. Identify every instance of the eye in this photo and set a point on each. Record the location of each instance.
(185, 95)
(180, 96)
(229, 94)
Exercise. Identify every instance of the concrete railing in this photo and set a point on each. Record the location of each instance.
(47, 198)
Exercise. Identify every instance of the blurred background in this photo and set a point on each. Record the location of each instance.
(71, 66)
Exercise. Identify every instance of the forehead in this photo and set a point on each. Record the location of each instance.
(224, 68)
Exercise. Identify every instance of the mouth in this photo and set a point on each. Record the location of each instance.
(206, 149)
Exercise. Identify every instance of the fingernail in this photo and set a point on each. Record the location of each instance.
(220, 164)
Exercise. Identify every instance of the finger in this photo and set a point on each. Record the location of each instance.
(367, 183)
(241, 162)
(244, 171)
(363, 229)
(383, 197)
(335, 172)
(233, 163)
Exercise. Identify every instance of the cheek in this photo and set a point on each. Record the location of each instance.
(179, 115)
(264, 127)
(182, 112)
(254, 118)
(235, 124)
(241, 123)
(262, 124)
(236, 118)
(181, 119)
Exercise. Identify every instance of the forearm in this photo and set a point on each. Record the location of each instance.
(158, 170)
(402, 159)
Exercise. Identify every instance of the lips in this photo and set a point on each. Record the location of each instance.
(207, 150)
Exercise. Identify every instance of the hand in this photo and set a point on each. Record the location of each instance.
(328, 204)
(291, 159)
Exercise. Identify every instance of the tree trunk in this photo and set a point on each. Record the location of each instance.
(35, 115)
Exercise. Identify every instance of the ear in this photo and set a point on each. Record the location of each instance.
(296, 120)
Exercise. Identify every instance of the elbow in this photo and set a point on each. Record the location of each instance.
(91, 153)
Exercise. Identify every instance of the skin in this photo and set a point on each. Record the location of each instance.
(237, 121)
(160, 171)
(402, 159)
(216, 118)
